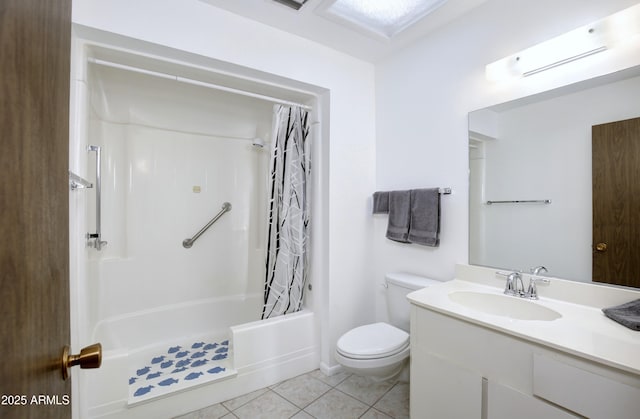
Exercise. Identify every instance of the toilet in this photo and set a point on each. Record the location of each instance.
(381, 350)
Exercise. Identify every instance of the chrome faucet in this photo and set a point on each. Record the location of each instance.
(532, 291)
(511, 287)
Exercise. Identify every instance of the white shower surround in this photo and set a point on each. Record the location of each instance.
(166, 172)
(171, 156)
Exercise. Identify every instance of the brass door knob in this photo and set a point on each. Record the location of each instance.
(601, 247)
(89, 357)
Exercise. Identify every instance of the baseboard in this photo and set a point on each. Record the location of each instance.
(327, 370)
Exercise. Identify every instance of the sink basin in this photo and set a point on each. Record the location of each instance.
(503, 305)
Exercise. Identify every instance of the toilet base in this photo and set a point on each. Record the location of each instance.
(403, 377)
(395, 371)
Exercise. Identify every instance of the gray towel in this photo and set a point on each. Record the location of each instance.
(425, 217)
(627, 314)
(399, 216)
(381, 202)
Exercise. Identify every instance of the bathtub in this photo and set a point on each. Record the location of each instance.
(251, 355)
(166, 325)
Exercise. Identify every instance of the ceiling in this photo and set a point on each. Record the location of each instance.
(309, 22)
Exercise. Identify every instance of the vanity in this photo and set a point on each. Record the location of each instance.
(479, 354)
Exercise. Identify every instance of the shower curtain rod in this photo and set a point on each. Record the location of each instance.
(195, 82)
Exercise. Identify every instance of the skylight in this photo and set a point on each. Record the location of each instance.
(384, 18)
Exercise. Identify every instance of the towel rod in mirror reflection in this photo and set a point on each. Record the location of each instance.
(533, 201)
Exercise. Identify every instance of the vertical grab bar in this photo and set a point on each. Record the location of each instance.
(95, 239)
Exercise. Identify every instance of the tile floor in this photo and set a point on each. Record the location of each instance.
(315, 395)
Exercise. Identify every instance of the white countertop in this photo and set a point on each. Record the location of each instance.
(583, 329)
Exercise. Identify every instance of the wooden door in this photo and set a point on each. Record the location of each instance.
(34, 200)
(616, 202)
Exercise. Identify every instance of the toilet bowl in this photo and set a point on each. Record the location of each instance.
(381, 350)
(377, 350)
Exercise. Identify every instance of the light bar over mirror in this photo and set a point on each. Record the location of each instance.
(579, 43)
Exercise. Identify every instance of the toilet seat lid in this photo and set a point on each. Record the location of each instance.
(373, 341)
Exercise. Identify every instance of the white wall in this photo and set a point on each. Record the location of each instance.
(425, 92)
(346, 167)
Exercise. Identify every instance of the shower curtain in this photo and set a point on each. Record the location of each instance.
(288, 221)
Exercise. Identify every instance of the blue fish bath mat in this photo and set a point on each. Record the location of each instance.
(179, 367)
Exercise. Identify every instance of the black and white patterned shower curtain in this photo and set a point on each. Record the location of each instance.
(287, 240)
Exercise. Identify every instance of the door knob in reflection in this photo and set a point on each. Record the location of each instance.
(601, 247)
(89, 357)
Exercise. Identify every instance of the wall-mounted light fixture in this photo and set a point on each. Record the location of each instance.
(587, 40)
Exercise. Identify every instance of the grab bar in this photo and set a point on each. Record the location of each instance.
(95, 239)
(187, 243)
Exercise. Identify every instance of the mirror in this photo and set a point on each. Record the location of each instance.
(530, 182)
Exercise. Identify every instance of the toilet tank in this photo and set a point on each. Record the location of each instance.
(399, 284)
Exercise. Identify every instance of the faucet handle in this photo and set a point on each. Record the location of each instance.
(532, 291)
(537, 270)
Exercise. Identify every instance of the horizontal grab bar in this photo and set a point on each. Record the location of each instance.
(187, 243)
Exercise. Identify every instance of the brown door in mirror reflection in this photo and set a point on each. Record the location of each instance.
(616, 202)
